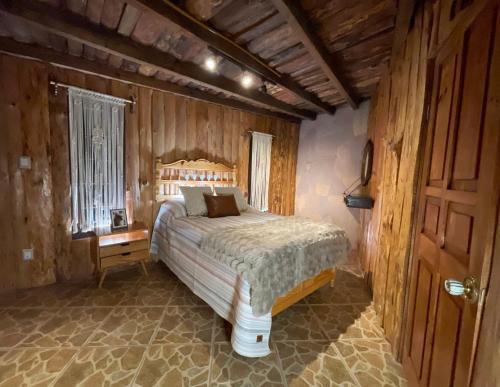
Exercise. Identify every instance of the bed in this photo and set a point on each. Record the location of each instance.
(177, 241)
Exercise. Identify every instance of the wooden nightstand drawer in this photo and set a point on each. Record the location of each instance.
(126, 257)
(125, 247)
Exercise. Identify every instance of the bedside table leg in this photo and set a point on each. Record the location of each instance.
(144, 268)
(103, 275)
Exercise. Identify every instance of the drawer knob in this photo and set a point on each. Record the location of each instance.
(128, 253)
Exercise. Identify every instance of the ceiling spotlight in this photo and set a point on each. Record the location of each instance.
(211, 63)
(247, 81)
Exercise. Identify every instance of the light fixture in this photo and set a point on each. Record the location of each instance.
(210, 63)
(247, 80)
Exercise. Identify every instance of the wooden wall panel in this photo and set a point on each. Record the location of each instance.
(36, 204)
(25, 131)
(395, 124)
(144, 211)
(58, 114)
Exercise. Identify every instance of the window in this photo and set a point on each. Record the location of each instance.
(96, 132)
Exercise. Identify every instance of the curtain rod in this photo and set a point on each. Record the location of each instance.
(253, 131)
(64, 85)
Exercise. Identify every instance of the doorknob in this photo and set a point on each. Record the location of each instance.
(467, 289)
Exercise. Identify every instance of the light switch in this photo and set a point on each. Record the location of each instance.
(27, 254)
(25, 162)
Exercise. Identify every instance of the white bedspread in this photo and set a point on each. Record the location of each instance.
(277, 255)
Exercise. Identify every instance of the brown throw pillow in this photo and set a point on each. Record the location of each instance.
(219, 206)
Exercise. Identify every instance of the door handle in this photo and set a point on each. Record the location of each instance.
(468, 289)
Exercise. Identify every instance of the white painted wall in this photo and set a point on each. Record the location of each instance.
(329, 160)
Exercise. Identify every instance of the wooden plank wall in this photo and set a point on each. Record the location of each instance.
(35, 204)
(25, 198)
(397, 128)
(395, 124)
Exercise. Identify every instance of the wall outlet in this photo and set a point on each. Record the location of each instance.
(27, 254)
(25, 162)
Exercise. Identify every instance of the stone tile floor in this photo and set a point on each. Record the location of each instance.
(152, 331)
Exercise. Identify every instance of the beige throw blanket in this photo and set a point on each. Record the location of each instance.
(277, 255)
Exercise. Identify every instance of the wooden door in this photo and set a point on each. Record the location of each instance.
(457, 205)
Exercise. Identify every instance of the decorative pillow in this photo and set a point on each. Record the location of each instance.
(194, 201)
(219, 206)
(238, 196)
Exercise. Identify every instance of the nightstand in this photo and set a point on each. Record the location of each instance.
(123, 247)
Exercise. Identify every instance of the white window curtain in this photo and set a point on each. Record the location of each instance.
(261, 168)
(96, 129)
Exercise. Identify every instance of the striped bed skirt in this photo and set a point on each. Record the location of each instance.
(218, 285)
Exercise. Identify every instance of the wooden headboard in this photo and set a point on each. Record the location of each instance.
(169, 177)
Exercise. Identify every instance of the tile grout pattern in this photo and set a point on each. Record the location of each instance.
(152, 331)
(336, 350)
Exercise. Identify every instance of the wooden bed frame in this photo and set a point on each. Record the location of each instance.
(303, 290)
(169, 177)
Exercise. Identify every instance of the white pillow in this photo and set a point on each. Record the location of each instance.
(194, 200)
(175, 206)
(238, 196)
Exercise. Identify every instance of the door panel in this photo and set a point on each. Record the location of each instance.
(451, 215)
(448, 318)
(466, 160)
(421, 312)
(458, 232)
(445, 94)
(431, 217)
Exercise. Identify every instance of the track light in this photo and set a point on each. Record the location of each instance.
(247, 81)
(210, 63)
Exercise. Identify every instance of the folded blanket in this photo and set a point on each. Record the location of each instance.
(277, 255)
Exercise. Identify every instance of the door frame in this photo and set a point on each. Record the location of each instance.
(415, 219)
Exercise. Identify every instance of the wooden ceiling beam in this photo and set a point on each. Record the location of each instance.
(75, 27)
(225, 46)
(11, 47)
(294, 15)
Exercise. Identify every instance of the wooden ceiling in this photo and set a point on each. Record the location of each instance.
(307, 56)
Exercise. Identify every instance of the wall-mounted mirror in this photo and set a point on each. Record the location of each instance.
(359, 201)
(367, 163)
